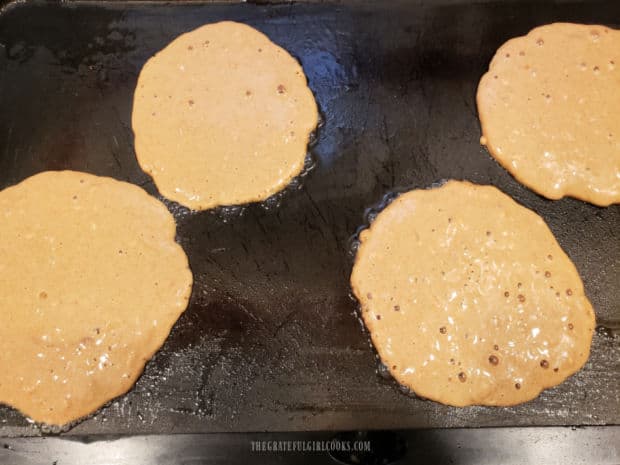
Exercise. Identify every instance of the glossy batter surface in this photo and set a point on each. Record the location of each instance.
(91, 281)
(550, 111)
(222, 116)
(468, 297)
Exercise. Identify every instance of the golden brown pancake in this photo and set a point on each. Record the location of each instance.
(550, 111)
(468, 297)
(222, 116)
(91, 281)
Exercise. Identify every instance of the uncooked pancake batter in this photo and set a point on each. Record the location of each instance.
(468, 297)
(550, 111)
(91, 281)
(222, 116)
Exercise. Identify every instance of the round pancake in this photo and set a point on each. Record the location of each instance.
(468, 297)
(549, 108)
(91, 282)
(222, 116)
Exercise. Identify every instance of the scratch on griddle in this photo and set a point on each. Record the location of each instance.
(244, 283)
(116, 159)
(127, 129)
(15, 152)
(339, 244)
(245, 248)
(249, 312)
(261, 226)
(9, 133)
(390, 162)
(214, 262)
(426, 159)
(316, 207)
(330, 224)
(287, 319)
(367, 111)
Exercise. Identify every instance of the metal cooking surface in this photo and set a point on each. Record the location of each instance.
(270, 341)
(470, 446)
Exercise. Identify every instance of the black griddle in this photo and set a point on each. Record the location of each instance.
(270, 340)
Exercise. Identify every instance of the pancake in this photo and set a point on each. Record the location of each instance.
(549, 108)
(468, 297)
(91, 282)
(222, 116)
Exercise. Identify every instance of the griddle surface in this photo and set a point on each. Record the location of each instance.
(270, 341)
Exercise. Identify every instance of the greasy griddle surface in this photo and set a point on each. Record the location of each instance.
(270, 340)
